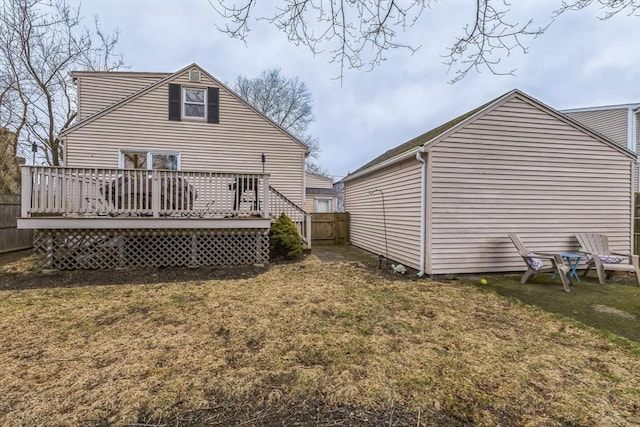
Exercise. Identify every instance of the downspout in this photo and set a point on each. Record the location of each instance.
(631, 128)
(423, 208)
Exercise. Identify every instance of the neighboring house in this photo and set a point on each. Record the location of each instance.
(619, 123)
(445, 201)
(221, 172)
(320, 195)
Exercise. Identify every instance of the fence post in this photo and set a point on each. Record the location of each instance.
(636, 221)
(25, 204)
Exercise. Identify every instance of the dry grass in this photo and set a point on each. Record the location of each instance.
(333, 333)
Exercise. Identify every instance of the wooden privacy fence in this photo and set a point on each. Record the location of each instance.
(12, 239)
(330, 228)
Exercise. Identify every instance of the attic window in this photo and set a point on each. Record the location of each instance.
(195, 101)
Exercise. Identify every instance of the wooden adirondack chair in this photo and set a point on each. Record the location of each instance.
(535, 264)
(603, 259)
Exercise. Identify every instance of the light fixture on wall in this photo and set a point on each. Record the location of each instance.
(34, 148)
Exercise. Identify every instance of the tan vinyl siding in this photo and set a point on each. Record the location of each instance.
(97, 91)
(611, 123)
(315, 181)
(401, 186)
(235, 144)
(520, 169)
(308, 203)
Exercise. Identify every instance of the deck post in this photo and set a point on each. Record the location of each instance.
(155, 195)
(307, 230)
(27, 186)
(266, 209)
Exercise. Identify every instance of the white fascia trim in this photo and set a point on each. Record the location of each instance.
(400, 157)
(601, 108)
(631, 129)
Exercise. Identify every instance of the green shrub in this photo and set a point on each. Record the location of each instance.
(284, 240)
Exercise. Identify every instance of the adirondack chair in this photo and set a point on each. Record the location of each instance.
(535, 264)
(603, 259)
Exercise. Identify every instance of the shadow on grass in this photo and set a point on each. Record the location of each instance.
(260, 412)
(613, 307)
(18, 272)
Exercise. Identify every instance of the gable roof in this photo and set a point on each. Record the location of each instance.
(319, 176)
(165, 80)
(429, 139)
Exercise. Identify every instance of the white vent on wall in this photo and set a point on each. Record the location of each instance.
(194, 76)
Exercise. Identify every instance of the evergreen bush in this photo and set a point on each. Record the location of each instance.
(284, 240)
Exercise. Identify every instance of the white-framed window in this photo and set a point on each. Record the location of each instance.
(323, 205)
(141, 159)
(194, 105)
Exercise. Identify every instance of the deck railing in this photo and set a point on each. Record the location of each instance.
(59, 191)
(135, 192)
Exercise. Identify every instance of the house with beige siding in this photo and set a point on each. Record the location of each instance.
(320, 194)
(619, 123)
(176, 163)
(445, 201)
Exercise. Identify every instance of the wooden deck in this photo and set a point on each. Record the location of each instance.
(107, 218)
(81, 198)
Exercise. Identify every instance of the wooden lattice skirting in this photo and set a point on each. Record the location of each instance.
(104, 249)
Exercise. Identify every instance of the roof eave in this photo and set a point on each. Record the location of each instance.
(601, 108)
(389, 162)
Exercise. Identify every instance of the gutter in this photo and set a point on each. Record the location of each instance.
(423, 208)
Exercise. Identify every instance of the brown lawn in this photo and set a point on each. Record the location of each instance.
(309, 343)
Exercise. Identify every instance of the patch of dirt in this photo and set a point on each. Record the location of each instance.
(614, 311)
(18, 271)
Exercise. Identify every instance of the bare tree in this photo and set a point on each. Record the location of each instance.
(287, 102)
(41, 42)
(358, 33)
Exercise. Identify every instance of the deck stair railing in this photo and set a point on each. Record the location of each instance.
(279, 203)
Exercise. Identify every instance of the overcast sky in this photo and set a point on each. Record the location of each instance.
(581, 61)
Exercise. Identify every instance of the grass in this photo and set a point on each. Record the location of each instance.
(303, 341)
(613, 307)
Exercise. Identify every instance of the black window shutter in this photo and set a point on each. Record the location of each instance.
(175, 104)
(213, 105)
